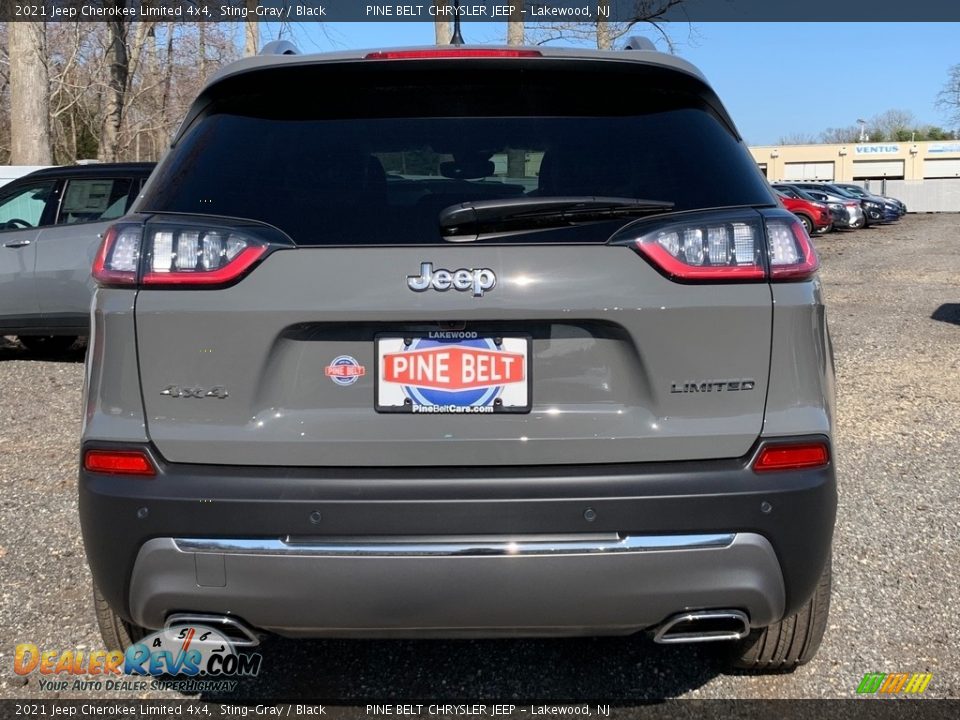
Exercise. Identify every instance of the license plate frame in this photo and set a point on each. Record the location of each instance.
(385, 391)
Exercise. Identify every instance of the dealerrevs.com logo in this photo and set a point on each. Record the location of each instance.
(894, 683)
(189, 658)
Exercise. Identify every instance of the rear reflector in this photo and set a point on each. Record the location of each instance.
(451, 53)
(118, 462)
(791, 457)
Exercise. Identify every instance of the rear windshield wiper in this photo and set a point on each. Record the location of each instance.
(473, 220)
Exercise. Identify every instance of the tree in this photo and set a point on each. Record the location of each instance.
(948, 99)
(604, 37)
(108, 91)
(76, 63)
(515, 29)
(442, 27)
(892, 125)
(119, 61)
(797, 138)
(29, 94)
(933, 132)
(606, 33)
(251, 30)
(841, 135)
(124, 59)
(516, 157)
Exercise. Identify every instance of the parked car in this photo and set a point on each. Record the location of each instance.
(873, 210)
(893, 205)
(880, 210)
(815, 216)
(51, 223)
(471, 408)
(846, 214)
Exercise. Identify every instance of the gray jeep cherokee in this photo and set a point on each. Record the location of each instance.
(461, 342)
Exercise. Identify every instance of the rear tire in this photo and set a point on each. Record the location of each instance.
(117, 633)
(47, 344)
(793, 641)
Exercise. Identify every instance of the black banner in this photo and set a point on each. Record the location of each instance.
(532, 11)
(860, 709)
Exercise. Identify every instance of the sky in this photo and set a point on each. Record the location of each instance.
(776, 79)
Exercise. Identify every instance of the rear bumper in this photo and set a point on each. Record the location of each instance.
(566, 585)
(267, 545)
(844, 218)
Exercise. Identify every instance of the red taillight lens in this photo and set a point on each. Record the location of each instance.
(181, 254)
(726, 245)
(198, 256)
(451, 53)
(707, 247)
(791, 253)
(119, 462)
(118, 258)
(792, 457)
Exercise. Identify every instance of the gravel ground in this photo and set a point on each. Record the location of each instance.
(894, 308)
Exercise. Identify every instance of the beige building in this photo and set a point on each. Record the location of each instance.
(934, 160)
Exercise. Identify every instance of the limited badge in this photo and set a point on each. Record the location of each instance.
(344, 370)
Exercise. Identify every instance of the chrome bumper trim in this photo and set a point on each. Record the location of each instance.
(446, 546)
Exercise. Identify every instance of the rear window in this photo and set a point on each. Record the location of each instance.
(376, 162)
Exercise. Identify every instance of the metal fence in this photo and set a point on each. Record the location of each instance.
(920, 195)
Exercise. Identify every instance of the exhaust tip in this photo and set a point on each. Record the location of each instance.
(703, 626)
(234, 630)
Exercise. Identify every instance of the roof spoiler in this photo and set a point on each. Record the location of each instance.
(636, 42)
(279, 47)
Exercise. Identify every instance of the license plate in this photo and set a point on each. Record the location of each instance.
(466, 375)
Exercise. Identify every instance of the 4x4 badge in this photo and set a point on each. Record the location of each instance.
(180, 391)
(479, 280)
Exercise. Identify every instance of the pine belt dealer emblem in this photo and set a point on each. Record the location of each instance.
(344, 370)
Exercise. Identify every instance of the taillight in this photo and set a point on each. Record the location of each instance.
(118, 259)
(791, 253)
(451, 53)
(198, 256)
(119, 462)
(164, 253)
(793, 456)
(724, 245)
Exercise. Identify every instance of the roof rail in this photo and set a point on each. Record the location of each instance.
(637, 42)
(279, 47)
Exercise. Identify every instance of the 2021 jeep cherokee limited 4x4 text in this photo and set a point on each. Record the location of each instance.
(477, 342)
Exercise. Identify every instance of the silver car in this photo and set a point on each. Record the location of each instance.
(461, 342)
(51, 223)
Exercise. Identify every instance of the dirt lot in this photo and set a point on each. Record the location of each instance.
(894, 308)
